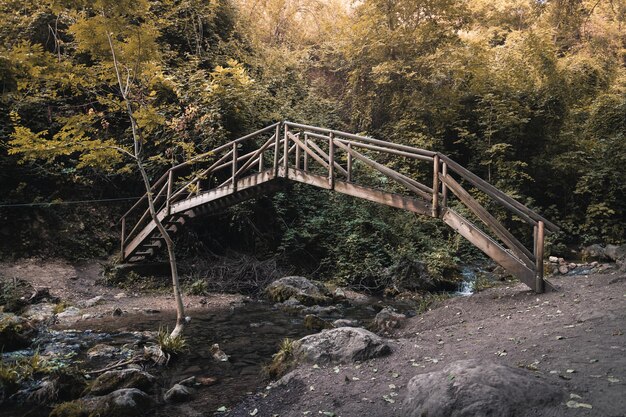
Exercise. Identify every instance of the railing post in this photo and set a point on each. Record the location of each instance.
(286, 152)
(444, 187)
(539, 241)
(276, 147)
(435, 206)
(170, 176)
(261, 161)
(234, 178)
(306, 154)
(123, 238)
(349, 167)
(331, 160)
(297, 155)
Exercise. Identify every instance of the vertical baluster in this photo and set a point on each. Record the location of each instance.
(435, 206)
(261, 161)
(444, 188)
(234, 174)
(276, 147)
(349, 167)
(539, 240)
(331, 160)
(286, 153)
(306, 154)
(169, 191)
(298, 155)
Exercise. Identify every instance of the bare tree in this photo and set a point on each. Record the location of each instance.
(138, 141)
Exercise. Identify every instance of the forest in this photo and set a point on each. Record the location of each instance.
(530, 95)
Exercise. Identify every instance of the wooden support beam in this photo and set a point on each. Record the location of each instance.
(276, 148)
(435, 212)
(444, 187)
(331, 161)
(286, 151)
(539, 239)
(310, 149)
(491, 222)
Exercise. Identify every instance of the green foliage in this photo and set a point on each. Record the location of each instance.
(171, 345)
(283, 360)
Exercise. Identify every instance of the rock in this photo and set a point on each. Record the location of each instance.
(290, 306)
(127, 402)
(339, 294)
(15, 332)
(388, 319)
(42, 294)
(320, 311)
(40, 312)
(477, 388)
(594, 253)
(206, 380)
(218, 354)
(313, 322)
(412, 275)
(125, 378)
(69, 312)
(563, 269)
(102, 350)
(188, 382)
(303, 290)
(346, 323)
(178, 394)
(342, 345)
(92, 301)
(117, 312)
(617, 254)
(553, 259)
(120, 295)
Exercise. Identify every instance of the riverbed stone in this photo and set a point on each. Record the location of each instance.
(387, 319)
(341, 345)
(69, 312)
(594, 253)
(305, 291)
(127, 402)
(125, 378)
(39, 312)
(477, 388)
(178, 393)
(92, 301)
(313, 322)
(15, 332)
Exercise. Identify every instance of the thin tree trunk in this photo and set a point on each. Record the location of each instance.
(169, 243)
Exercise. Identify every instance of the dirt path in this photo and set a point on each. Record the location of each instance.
(574, 339)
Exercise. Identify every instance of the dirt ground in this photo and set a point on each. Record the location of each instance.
(573, 338)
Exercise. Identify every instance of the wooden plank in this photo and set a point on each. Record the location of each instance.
(489, 246)
(491, 222)
(389, 199)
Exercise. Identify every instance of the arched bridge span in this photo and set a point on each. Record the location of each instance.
(363, 167)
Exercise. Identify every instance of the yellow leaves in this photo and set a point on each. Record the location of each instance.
(225, 79)
(27, 143)
(149, 120)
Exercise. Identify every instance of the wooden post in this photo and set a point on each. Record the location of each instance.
(306, 154)
(297, 156)
(444, 187)
(123, 237)
(539, 238)
(261, 161)
(286, 153)
(276, 143)
(435, 206)
(234, 178)
(331, 160)
(349, 167)
(169, 190)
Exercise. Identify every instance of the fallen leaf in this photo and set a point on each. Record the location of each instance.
(392, 386)
(570, 371)
(575, 397)
(254, 412)
(222, 409)
(613, 379)
(395, 375)
(576, 404)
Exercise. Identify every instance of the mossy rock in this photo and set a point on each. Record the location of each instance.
(15, 332)
(127, 402)
(124, 378)
(305, 291)
(313, 322)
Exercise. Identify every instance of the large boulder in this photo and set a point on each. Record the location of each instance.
(15, 332)
(125, 378)
(470, 388)
(301, 289)
(594, 253)
(617, 254)
(341, 345)
(388, 319)
(127, 402)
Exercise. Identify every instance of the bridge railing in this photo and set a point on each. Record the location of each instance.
(219, 167)
(287, 148)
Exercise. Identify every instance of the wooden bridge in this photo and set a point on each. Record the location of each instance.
(270, 158)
